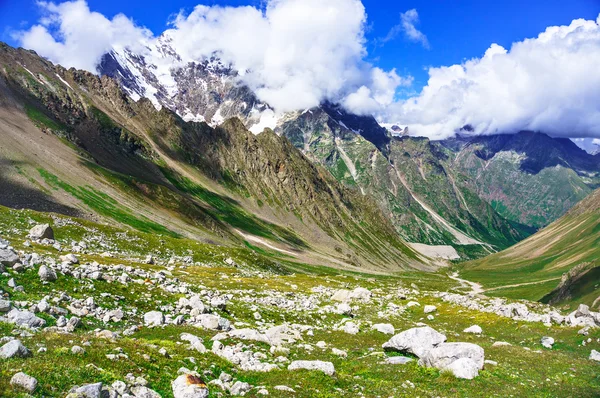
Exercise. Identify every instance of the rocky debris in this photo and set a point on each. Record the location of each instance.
(144, 392)
(154, 318)
(240, 388)
(14, 348)
(47, 274)
(189, 386)
(475, 329)
(417, 341)
(86, 391)
(428, 309)
(8, 257)
(242, 357)
(5, 305)
(69, 259)
(519, 311)
(445, 355)
(384, 328)
(41, 231)
(595, 356)
(547, 342)
(24, 382)
(350, 328)
(325, 367)
(25, 318)
(359, 293)
(339, 353)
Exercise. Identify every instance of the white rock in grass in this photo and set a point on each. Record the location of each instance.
(24, 382)
(384, 328)
(14, 348)
(325, 367)
(47, 274)
(428, 309)
(189, 386)
(442, 356)
(475, 329)
(595, 355)
(547, 342)
(154, 318)
(417, 341)
(41, 231)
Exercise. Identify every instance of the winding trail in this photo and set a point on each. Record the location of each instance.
(476, 288)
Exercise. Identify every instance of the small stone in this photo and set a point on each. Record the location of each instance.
(154, 318)
(240, 388)
(428, 309)
(475, 329)
(595, 356)
(89, 390)
(325, 367)
(77, 350)
(547, 342)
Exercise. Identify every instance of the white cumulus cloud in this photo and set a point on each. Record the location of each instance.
(293, 53)
(550, 83)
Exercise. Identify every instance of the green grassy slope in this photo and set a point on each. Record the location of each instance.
(540, 261)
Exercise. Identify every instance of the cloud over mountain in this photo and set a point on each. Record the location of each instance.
(297, 53)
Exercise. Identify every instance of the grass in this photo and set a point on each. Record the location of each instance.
(566, 370)
(105, 205)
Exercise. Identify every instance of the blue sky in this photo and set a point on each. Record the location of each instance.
(456, 30)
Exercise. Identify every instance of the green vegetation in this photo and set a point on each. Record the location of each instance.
(105, 205)
(42, 120)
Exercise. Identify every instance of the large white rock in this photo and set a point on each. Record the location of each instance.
(445, 354)
(14, 348)
(595, 355)
(47, 274)
(154, 318)
(41, 231)
(24, 381)
(25, 318)
(341, 295)
(417, 341)
(547, 342)
(325, 367)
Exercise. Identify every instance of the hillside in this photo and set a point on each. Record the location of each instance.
(559, 264)
(82, 147)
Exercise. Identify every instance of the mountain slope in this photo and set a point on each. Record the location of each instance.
(426, 201)
(528, 177)
(559, 264)
(90, 150)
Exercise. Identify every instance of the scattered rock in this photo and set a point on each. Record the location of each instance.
(8, 257)
(385, 328)
(547, 342)
(189, 386)
(444, 355)
(325, 367)
(47, 274)
(595, 355)
(41, 231)
(398, 360)
(154, 318)
(14, 348)
(475, 329)
(428, 309)
(23, 381)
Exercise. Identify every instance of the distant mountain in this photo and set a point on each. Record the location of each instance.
(528, 177)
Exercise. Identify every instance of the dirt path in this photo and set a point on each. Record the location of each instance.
(476, 288)
(522, 284)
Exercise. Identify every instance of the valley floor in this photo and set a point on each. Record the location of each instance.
(143, 319)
